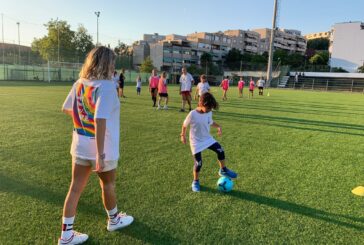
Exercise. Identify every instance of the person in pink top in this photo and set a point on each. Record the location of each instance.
(241, 84)
(153, 86)
(251, 87)
(225, 86)
(162, 91)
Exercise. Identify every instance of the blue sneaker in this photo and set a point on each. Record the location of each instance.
(195, 186)
(227, 173)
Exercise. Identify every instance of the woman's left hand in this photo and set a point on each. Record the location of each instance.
(100, 165)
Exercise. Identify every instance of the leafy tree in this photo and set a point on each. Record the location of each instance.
(338, 69)
(123, 49)
(71, 43)
(147, 65)
(256, 58)
(317, 60)
(82, 41)
(318, 44)
(205, 59)
(361, 69)
(196, 71)
(233, 59)
(320, 58)
(295, 60)
(281, 55)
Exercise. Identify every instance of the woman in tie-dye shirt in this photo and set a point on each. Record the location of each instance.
(94, 107)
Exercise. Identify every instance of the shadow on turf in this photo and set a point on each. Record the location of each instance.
(294, 208)
(305, 122)
(137, 230)
(283, 108)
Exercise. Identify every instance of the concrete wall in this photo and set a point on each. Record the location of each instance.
(347, 49)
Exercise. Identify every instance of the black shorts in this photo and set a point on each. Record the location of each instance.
(121, 85)
(163, 95)
(251, 90)
(260, 87)
(152, 90)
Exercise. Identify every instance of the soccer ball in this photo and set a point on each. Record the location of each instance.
(225, 184)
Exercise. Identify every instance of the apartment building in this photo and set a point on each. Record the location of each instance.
(171, 55)
(245, 41)
(325, 34)
(153, 38)
(141, 50)
(346, 45)
(286, 39)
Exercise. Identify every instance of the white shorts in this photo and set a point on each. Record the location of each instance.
(109, 165)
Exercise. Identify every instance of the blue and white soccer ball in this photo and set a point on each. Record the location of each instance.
(225, 184)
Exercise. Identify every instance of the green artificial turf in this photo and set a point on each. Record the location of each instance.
(298, 155)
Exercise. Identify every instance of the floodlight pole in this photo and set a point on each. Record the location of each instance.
(271, 44)
(98, 15)
(3, 46)
(58, 38)
(18, 41)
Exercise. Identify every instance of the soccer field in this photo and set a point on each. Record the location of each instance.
(298, 155)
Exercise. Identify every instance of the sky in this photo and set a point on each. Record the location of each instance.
(128, 20)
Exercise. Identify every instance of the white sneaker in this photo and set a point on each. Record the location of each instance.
(76, 238)
(122, 220)
(159, 107)
(165, 107)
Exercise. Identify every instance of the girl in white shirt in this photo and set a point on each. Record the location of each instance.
(202, 87)
(95, 109)
(200, 121)
(138, 85)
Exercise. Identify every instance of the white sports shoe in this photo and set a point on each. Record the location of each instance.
(159, 107)
(165, 107)
(122, 221)
(76, 238)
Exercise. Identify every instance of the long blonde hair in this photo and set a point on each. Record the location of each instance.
(99, 64)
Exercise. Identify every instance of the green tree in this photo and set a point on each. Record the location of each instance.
(233, 59)
(338, 69)
(361, 69)
(83, 42)
(318, 44)
(71, 43)
(317, 60)
(147, 65)
(295, 60)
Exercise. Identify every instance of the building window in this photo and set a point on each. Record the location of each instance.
(229, 41)
(217, 38)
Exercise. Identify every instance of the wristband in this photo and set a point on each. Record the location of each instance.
(102, 156)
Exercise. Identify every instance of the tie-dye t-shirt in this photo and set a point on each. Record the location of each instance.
(89, 100)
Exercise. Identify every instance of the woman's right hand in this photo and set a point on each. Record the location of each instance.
(183, 139)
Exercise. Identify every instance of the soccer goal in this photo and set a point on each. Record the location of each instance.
(63, 71)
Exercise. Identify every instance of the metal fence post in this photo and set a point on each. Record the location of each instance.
(313, 83)
(352, 84)
(327, 84)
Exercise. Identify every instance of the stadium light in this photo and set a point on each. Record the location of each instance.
(271, 44)
(18, 23)
(58, 38)
(3, 46)
(98, 15)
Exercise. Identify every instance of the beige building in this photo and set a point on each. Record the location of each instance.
(290, 40)
(325, 34)
(171, 55)
(245, 41)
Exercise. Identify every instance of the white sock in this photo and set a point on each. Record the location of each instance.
(67, 227)
(113, 213)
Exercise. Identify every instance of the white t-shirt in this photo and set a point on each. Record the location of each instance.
(115, 79)
(200, 138)
(260, 83)
(186, 82)
(138, 83)
(88, 101)
(203, 88)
